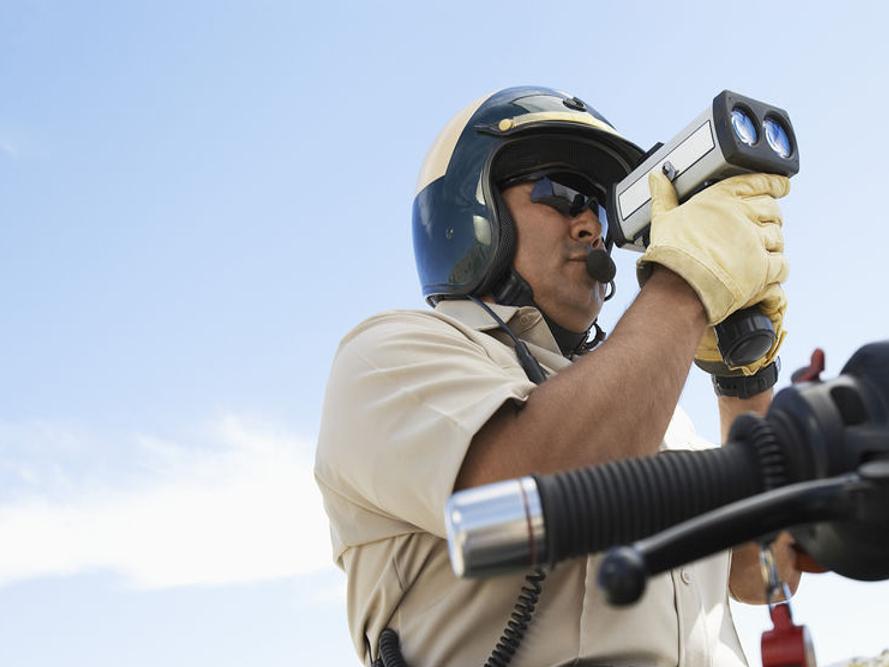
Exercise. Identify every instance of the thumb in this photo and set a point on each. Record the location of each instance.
(663, 194)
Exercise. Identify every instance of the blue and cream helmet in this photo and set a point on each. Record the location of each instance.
(464, 239)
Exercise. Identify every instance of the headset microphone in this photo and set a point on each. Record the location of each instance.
(600, 266)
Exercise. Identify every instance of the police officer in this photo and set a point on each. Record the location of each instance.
(509, 374)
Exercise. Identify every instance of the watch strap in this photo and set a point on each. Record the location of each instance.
(745, 386)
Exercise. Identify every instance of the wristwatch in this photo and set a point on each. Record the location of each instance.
(745, 386)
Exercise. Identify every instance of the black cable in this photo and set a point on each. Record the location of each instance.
(523, 611)
(390, 651)
(510, 639)
(519, 620)
(530, 365)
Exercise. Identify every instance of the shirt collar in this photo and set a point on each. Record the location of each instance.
(473, 316)
(526, 322)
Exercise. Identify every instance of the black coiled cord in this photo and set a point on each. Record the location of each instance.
(390, 651)
(519, 620)
(507, 645)
(633, 498)
(523, 610)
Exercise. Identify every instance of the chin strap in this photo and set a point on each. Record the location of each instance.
(515, 291)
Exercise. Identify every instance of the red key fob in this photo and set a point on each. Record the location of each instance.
(787, 644)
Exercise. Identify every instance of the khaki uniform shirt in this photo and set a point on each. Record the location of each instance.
(407, 393)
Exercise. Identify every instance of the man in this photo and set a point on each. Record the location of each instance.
(499, 381)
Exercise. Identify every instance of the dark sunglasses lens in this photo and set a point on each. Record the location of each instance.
(547, 192)
(568, 201)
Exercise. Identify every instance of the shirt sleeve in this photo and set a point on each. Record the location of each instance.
(681, 434)
(406, 395)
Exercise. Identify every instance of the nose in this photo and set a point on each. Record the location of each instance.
(585, 228)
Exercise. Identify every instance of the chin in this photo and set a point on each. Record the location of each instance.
(581, 321)
(588, 311)
(574, 310)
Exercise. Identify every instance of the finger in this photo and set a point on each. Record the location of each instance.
(777, 268)
(751, 185)
(772, 237)
(772, 301)
(773, 309)
(708, 349)
(663, 194)
(764, 209)
(708, 339)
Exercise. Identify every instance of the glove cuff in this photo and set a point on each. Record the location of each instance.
(745, 386)
(711, 286)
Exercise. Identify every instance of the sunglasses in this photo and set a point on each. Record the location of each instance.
(567, 200)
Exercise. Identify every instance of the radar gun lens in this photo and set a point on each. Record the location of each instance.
(777, 137)
(744, 126)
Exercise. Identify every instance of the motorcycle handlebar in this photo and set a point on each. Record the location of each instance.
(813, 431)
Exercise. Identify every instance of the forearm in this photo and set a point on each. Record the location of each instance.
(613, 403)
(746, 581)
(731, 407)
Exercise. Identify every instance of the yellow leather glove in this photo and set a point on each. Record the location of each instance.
(773, 304)
(725, 242)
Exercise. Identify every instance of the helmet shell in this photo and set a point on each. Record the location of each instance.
(464, 239)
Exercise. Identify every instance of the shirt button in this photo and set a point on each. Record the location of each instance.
(685, 575)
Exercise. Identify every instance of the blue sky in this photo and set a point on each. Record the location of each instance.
(197, 200)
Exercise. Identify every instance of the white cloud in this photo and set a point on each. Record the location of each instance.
(240, 506)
